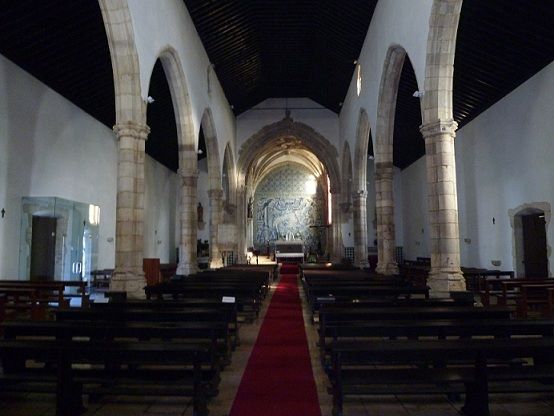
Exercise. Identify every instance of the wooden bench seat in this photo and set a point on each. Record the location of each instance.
(430, 328)
(473, 378)
(504, 289)
(64, 354)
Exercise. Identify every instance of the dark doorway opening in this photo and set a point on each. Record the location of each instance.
(43, 248)
(535, 258)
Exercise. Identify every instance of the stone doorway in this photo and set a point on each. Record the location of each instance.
(531, 250)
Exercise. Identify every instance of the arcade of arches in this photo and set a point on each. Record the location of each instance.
(370, 201)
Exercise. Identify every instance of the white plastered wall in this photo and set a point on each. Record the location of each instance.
(161, 216)
(415, 209)
(395, 22)
(160, 24)
(50, 147)
(503, 160)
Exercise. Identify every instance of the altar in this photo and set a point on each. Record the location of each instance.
(290, 251)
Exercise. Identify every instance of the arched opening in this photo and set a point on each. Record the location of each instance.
(411, 212)
(160, 186)
(288, 143)
(289, 203)
(359, 253)
(203, 207)
(531, 250)
(347, 185)
(228, 181)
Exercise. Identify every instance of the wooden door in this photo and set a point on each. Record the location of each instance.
(535, 257)
(43, 248)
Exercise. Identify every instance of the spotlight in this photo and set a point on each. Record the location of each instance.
(149, 100)
(418, 94)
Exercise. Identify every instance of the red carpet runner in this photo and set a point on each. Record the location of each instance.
(278, 379)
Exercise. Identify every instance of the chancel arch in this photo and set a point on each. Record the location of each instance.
(284, 142)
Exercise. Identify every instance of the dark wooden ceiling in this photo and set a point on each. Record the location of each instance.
(278, 48)
(282, 48)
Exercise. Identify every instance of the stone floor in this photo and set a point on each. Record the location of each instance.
(501, 405)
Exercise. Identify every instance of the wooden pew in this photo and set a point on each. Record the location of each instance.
(22, 301)
(246, 295)
(190, 314)
(123, 379)
(175, 306)
(511, 288)
(534, 296)
(348, 316)
(53, 291)
(423, 328)
(396, 374)
(215, 333)
(367, 292)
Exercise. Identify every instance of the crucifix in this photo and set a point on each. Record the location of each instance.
(3, 212)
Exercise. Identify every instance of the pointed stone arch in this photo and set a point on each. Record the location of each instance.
(262, 142)
(439, 130)
(212, 147)
(229, 180)
(182, 106)
(362, 145)
(188, 169)
(129, 106)
(386, 110)
(215, 191)
(384, 170)
(310, 138)
(131, 131)
(347, 183)
(439, 66)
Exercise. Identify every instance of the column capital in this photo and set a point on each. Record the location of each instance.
(133, 129)
(359, 194)
(187, 173)
(439, 127)
(215, 193)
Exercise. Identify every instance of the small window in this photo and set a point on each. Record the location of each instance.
(358, 79)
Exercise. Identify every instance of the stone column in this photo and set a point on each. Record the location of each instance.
(128, 274)
(360, 228)
(187, 249)
(216, 214)
(386, 244)
(445, 275)
(242, 224)
(337, 248)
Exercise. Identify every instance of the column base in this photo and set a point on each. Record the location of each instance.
(337, 258)
(132, 282)
(216, 263)
(442, 282)
(362, 264)
(388, 269)
(241, 258)
(185, 269)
